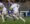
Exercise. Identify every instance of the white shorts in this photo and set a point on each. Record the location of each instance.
(4, 12)
(15, 12)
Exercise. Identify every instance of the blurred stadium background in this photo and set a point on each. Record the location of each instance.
(24, 6)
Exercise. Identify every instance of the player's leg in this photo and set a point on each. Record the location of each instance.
(3, 17)
(15, 15)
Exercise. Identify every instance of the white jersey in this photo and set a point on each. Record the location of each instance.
(3, 8)
(1, 4)
(15, 7)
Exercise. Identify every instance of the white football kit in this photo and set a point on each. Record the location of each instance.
(15, 7)
(4, 10)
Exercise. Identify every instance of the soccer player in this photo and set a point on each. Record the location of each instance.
(15, 8)
(3, 11)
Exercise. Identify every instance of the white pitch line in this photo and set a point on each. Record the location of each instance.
(22, 19)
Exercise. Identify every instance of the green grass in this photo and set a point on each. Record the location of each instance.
(10, 21)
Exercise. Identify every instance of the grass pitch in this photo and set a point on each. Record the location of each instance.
(11, 21)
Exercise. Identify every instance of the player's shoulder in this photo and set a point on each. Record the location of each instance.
(14, 4)
(1, 3)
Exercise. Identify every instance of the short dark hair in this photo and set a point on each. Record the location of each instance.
(0, 0)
